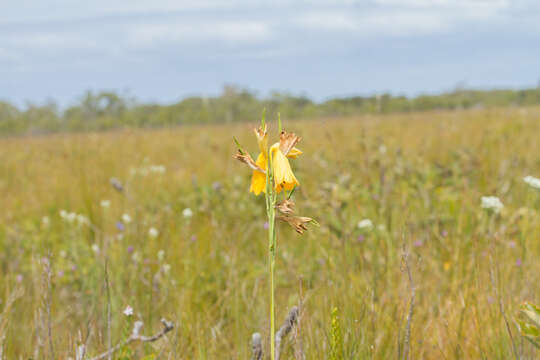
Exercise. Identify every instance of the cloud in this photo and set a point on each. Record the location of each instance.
(375, 23)
(457, 8)
(144, 35)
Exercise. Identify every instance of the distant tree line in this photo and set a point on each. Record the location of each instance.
(108, 110)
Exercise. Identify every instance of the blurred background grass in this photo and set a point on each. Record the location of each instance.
(418, 177)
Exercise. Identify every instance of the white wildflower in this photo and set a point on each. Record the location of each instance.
(161, 255)
(81, 219)
(153, 232)
(128, 311)
(532, 181)
(158, 169)
(365, 224)
(136, 257)
(95, 248)
(105, 203)
(126, 218)
(187, 213)
(63, 214)
(166, 268)
(70, 217)
(45, 221)
(63, 253)
(492, 203)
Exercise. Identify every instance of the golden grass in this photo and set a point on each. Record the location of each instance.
(418, 177)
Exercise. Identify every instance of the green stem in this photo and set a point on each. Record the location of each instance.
(272, 263)
(271, 215)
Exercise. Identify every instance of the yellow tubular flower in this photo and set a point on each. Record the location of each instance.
(283, 175)
(258, 179)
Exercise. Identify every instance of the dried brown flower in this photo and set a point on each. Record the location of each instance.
(285, 207)
(287, 141)
(297, 222)
(248, 160)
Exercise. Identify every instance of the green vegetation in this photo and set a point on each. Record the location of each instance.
(107, 110)
(417, 263)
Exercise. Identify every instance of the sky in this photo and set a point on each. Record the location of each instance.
(165, 50)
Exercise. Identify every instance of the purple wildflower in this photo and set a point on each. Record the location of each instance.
(120, 226)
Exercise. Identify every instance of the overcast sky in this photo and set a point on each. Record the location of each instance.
(164, 50)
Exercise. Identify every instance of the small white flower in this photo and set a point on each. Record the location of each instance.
(166, 268)
(153, 232)
(81, 219)
(136, 257)
(128, 311)
(105, 203)
(63, 253)
(492, 203)
(126, 218)
(381, 227)
(365, 224)
(45, 221)
(158, 169)
(95, 248)
(70, 217)
(187, 213)
(382, 149)
(161, 255)
(63, 214)
(532, 181)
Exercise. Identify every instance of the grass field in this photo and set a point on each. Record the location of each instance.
(418, 177)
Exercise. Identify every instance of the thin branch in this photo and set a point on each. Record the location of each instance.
(256, 347)
(285, 329)
(135, 336)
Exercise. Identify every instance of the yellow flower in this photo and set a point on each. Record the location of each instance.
(283, 175)
(258, 179)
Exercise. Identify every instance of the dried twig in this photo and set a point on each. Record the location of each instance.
(256, 347)
(136, 336)
(286, 329)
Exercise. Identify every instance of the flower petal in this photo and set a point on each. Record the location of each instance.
(258, 179)
(283, 176)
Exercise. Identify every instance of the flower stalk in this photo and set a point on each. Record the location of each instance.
(272, 174)
(270, 197)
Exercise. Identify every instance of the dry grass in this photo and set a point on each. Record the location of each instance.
(418, 177)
